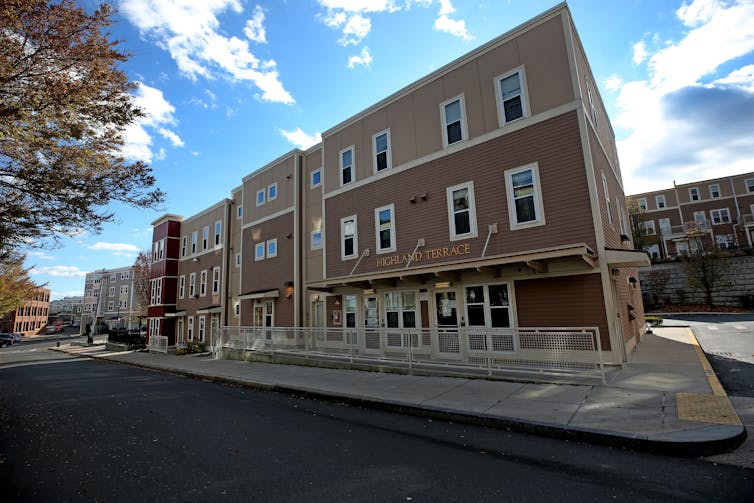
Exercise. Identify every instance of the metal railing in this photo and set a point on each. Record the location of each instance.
(553, 350)
(158, 344)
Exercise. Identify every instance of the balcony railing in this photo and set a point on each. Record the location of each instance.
(550, 350)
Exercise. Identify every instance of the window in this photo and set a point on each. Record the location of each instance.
(348, 238)
(111, 291)
(714, 191)
(454, 127)
(272, 248)
(205, 238)
(489, 306)
(259, 251)
(316, 178)
(239, 213)
(260, 197)
(643, 204)
(346, 166)
(190, 328)
(201, 328)
(384, 229)
(238, 260)
(750, 185)
(237, 309)
(124, 275)
(192, 284)
(272, 192)
(524, 200)
(113, 278)
(665, 228)
(511, 101)
(608, 203)
(161, 249)
(316, 240)
(694, 194)
(660, 200)
(182, 286)
(203, 283)
(647, 228)
(218, 232)
(461, 211)
(184, 244)
(194, 241)
(124, 289)
(721, 216)
(381, 146)
(592, 108)
(110, 306)
(215, 280)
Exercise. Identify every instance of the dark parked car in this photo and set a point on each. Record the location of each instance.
(17, 336)
(7, 340)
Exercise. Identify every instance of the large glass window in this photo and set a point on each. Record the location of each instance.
(349, 239)
(488, 306)
(384, 229)
(454, 129)
(524, 200)
(461, 211)
(346, 166)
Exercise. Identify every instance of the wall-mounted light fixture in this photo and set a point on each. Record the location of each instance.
(368, 291)
(288, 289)
(195, 259)
(443, 284)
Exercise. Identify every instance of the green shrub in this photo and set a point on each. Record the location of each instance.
(654, 321)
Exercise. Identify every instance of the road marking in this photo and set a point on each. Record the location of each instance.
(712, 328)
(739, 327)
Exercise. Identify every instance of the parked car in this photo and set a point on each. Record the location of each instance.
(53, 329)
(76, 324)
(17, 336)
(7, 340)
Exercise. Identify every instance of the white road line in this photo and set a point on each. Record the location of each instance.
(739, 327)
(711, 328)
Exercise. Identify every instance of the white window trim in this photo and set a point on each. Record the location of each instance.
(182, 286)
(257, 246)
(216, 282)
(194, 242)
(392, 246)
(238, 260)
(608, 204)
(451, 213)
(749, 182)
(203, 283)
(661, 198)
(192, 285)
(205, 240)
(352, 148)
(184, 245)
(499, 95)
(539, 209)
(236, 309)
(592, 108)
(698, 194)
(263, 193)
(312, 240)
(642, 203)
(275, 187)
(711, 194)
(720, 211)
(218, 235)
(269, 242)
(239, 212)
(464, 130)
(343, 221)
(190, 328)
(649, 224)
(388, 152)
(311, 179)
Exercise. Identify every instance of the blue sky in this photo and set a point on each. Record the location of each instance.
(230, 85)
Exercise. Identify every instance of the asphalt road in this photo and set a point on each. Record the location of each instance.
(81, 430)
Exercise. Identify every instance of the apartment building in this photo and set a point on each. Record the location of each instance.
(453, 219)
(109, 298)
(30, 317)
(68, 309)
(698, 215)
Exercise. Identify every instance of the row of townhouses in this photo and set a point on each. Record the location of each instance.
(717, 212)
(30, 317)
(109, 299)
(68, 309)
(477, 213)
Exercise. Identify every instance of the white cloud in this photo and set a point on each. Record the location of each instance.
(454, 27)
(363, 59)
(301, 139)
(613, 82)
(189, 31)
(684, 122)
(254, 29)
(40, 255)
(159, 113)
(118, 247)
(640, 52)
(58, 271)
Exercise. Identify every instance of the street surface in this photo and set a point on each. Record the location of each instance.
(74, 430)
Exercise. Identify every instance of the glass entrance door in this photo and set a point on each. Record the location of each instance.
(264, 316)
(371, 323)
(446, 317)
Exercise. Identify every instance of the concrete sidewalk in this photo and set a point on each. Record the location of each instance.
(666, 399)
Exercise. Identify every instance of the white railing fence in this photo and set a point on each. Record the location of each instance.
(158, 344)
(554, 350)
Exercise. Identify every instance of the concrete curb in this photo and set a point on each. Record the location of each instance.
(673, 444)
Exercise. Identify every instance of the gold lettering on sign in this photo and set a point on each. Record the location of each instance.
(424, 255)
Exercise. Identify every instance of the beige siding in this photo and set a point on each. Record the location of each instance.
(312, 217)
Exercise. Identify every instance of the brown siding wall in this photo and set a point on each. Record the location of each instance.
(270, 273)
(572, 301)
(554, 144)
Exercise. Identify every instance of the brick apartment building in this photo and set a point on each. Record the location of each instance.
(716, 212)
(478, 204)
(31, 317)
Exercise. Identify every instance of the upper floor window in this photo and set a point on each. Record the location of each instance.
(647, 227)
(525, 207)
(192, 284)
(714, 191)
(381, 145)
(694, 194)
(161, 249)
(239, 212)
(215, 280)
(608, 203)
(592, 108)
(660, 200)
(384, 228)
(260, 197)
(272, 248)
(194, 241)
(461, 211)
(750, 185)
(124, 275)
(218, 232)
(184, 244)
(453, 121)
(203, 283)
(238, 260)
(114, 278)
(643, 204)
(511, 97)
(316, 178)
(316, 240)
(346, 166)
(205, 238)
(111, 291)
(272, 192)
(721, 216)
(182, 286)
(348, 237)
(259, 251)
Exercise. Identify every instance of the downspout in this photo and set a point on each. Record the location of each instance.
(738, 211)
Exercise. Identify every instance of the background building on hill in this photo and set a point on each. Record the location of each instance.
(31, 317)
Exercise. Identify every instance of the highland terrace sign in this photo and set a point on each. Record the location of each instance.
(424, 255)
